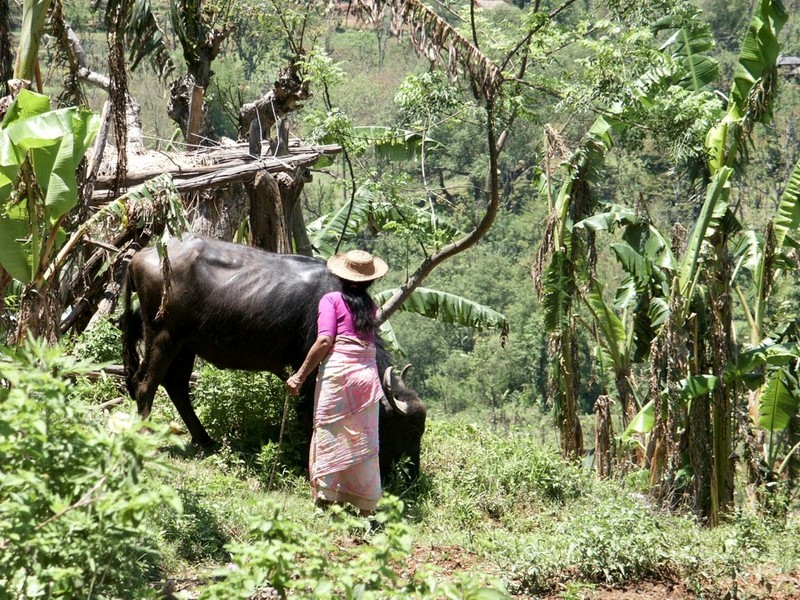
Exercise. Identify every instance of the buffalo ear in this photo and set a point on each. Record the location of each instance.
(402, 407)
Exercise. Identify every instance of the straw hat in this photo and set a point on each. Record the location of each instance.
(357, 265)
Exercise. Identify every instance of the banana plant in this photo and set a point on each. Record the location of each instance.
(767, 258)
(40, 151)
(626, 329)
(700, 308)
(683, 64)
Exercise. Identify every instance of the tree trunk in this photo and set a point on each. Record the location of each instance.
(187, 108)
(269, 227)
(217, 212)
(603, 436)
(6, 56)
(302, 244)
(275, 217)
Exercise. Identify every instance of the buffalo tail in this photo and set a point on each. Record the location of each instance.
(131, 334)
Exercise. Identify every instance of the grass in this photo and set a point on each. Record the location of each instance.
(487, 503)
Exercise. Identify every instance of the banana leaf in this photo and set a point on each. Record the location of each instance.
(787, 219)
(613, 336)
(557, 291)
(390, 341)
(613, 216)
(779, 401)
(758, 54)
(325, 231)
(15, 252)
(642, 423)
(767, 353)
(55, 141)
(696, 386)
(716, 193)
(686, 45)
(449, 308)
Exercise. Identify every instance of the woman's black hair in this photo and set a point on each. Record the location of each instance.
(361, 305)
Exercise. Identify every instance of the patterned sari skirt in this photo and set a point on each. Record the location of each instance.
(344, 447)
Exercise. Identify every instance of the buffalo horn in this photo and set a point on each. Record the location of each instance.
(399, 405)
(402, 377)
(387, 379)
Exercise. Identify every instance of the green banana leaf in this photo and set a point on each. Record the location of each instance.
(614, 215)
(756, 67)
(787, 220)
(696, 386)
(759, 53)
(557, 291)
(688, 389)
(748, 251)
(642, 423)
(691, 38)
(767, 353)
(448, 308)
(15, 252)
(779, 401)
(614, 338)
(716, 193)
(55, 141)
(325, 231)
(390, 341)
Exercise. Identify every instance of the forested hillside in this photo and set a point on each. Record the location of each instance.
(591, 215)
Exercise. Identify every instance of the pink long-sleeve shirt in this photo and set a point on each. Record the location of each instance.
(334, 318)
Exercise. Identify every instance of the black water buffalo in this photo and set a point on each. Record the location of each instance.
(239, 307)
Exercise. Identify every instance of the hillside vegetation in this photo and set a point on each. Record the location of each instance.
(627, 426)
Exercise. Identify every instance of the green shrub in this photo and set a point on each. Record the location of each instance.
(614, 543)
(97, 390)
(102, 343)
(71, 499)
(245, 410)
(296, 562)
(609, 540)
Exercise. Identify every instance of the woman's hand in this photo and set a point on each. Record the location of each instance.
(294, 383)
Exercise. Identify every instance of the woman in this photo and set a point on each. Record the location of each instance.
(343, 463)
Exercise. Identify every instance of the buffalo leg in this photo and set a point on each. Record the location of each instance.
(176, 382)
(157, 358)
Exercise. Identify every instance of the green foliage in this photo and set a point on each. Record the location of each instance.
(257, 37)
(97, 390)
(102, 343)
(500, 477)
(427, 97)
(601, 552)
(245, 410)
(294, 561)
(72, 500)
(51, 143)
(787, 219)
(144, 36)
(321, 70)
